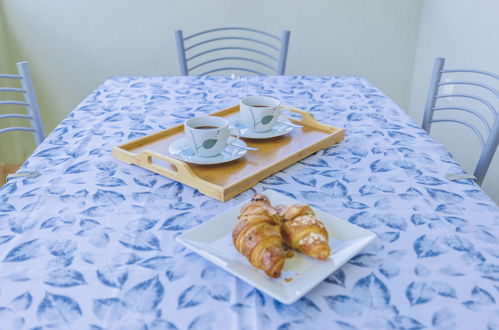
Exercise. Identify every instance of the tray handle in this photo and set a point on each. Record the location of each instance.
(182, 171)
(308, 120)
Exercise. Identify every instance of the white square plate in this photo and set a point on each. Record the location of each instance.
(213, 240)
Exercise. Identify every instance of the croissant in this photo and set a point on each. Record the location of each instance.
(257, 236)
(302, 231)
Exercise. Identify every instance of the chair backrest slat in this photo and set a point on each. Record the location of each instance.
(468, 110)
(472, 127)
(29, 102)
(9, 129)
(233, 29)
(10, 76)
(8, 89)
(15, 115)
(232, 38)
(487, 87)
(231, 68)
(24, 104)
(232, 58)
(488, 144)
(212, 44)
(233, 48)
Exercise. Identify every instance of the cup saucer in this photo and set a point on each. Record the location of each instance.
(278, 130)
(180, 149)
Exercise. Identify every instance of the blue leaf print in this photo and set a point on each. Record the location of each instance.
(345, 326)
(306, 180)
(293, 325)
(419, 293)
(146, 180)
(170, 190)
(58, 310)
(113, 277)
(383, 204)
(389, 236)
(338, 278)
(394, 221)
(443, 289)
(335, 189)
(220, 292)
(287, 193)
(78, 168)
(365, 220)
(381, 166)
(24, 251)
(141, 241)
(458, 243)
(64, 278)
(5, 238)
(175, 270)
(274, 180)
(108, 197)
(315, 197)
(159, 324)
(303, 308)
(156, 263)
(365, 260)
(141, 224)
(98, 211)
(111, 309)
(444, 195)
(5, 207)
(482, 296)
(50, 152)
(256, 296)
(110, 182)
(202, 322)
(420, 219)
(193, 296)
(21, 302)
(371, 291)
(426, 247)
(63, 247)
(389, 270)
(355, 205)
(145, 296)
(182, 221)
(181, 206)
(428, 180)
(345, 306)
(444, 319)
(485, 236)
(450, 270)
(126, 259)
(405, 322)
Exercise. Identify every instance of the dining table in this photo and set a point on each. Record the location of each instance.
(89, 242)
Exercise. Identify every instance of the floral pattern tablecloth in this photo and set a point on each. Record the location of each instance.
(90, 243)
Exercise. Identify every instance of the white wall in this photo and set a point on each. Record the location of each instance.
(466, 33)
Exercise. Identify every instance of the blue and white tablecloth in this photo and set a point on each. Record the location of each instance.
(90, 244)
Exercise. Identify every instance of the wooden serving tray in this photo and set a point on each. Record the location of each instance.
(224, 181)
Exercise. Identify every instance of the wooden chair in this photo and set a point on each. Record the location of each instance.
(24, 78)
(482, 101)
(251, 50)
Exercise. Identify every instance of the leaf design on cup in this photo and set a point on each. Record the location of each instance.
(267, 119)
(208, 144)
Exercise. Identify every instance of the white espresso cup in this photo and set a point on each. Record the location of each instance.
(208, 136)
(260, 113)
